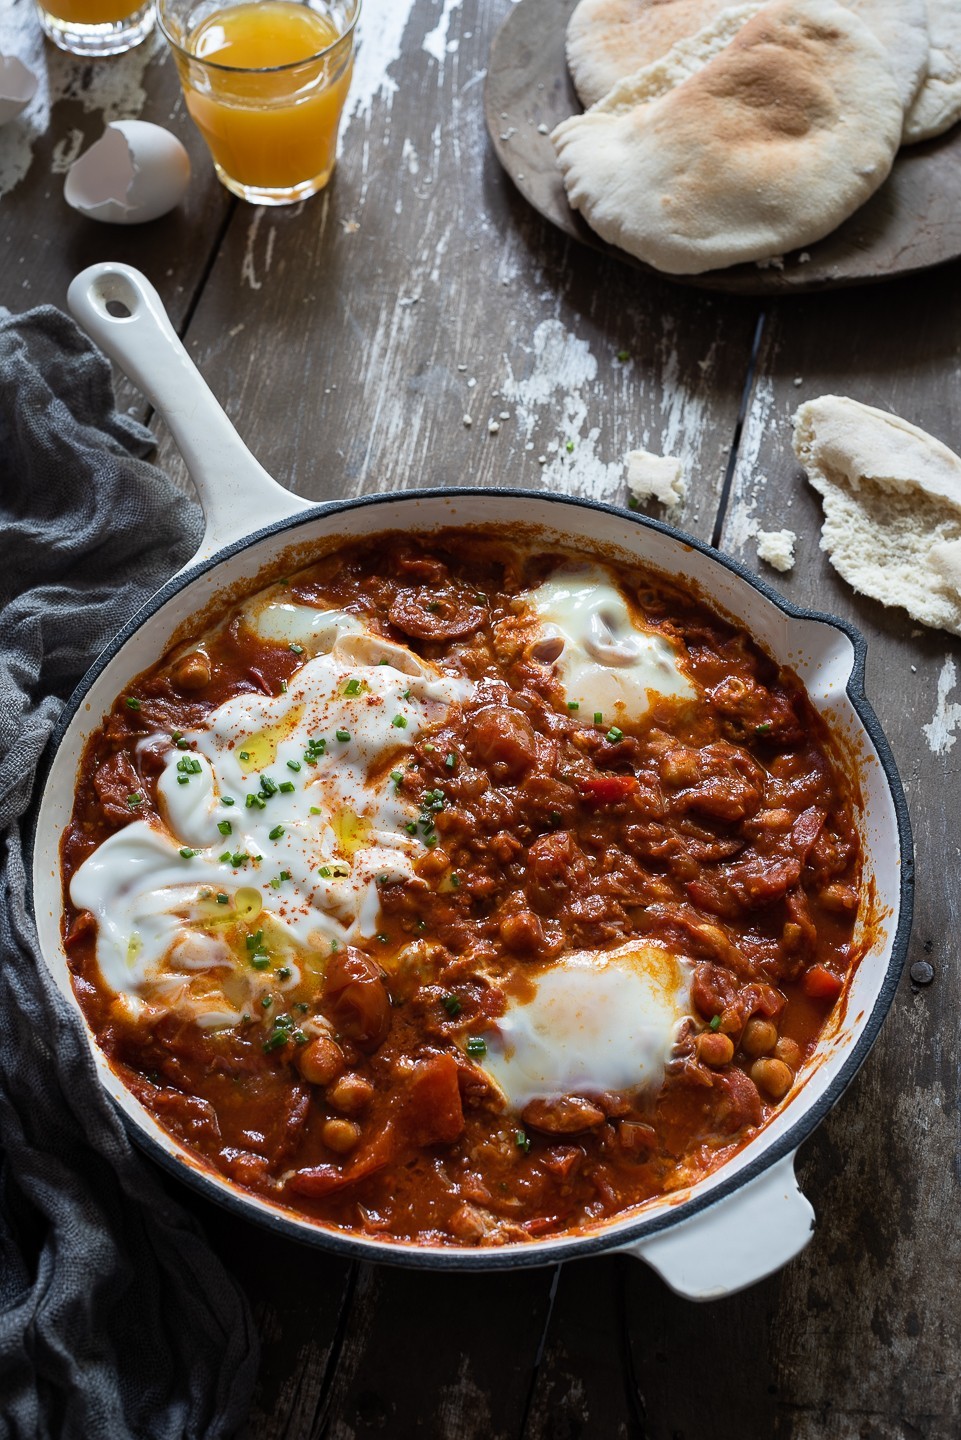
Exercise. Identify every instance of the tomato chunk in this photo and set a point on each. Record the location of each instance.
(822, 984)
(433, 1112)
(607, 789)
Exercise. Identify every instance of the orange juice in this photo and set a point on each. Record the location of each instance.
(92, 12)
(266, 89)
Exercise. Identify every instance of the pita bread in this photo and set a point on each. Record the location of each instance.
(902, 28)
(608, 40)
(767, 148)
(892, 506)
(938, 105)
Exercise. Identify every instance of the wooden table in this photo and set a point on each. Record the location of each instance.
(349, 338)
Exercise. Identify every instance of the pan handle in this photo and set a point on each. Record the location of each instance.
(735, 1242)
(120, 309)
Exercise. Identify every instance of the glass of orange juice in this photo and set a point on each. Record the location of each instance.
(96, 27)
(265, 83)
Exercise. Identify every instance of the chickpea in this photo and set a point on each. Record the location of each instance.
(789, 1051)
(340, 1135)
(715, 1049)
(350, 1094)
(772, 1076)
(192, 672)
(320, 1061)
(759, 1038)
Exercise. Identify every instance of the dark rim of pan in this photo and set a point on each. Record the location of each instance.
(617, 1232)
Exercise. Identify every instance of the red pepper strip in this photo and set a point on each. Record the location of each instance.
(325, 1179)
(607, 789)
(821, 984)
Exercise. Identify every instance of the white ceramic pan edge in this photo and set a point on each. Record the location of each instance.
(747, 1219)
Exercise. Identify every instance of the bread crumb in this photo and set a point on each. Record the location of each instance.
(655, 477)
(493, 428)
(776, 548)
(468, 421)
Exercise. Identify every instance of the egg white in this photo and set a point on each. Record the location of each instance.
(598, 1020)
(608, 663)
(307, 860)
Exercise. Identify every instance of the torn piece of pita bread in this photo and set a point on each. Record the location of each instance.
(892, 506)
(655, 477)
(938, 105)
(776, 548)
(767, 148)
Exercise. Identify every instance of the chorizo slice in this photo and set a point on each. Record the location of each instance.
(435, 614)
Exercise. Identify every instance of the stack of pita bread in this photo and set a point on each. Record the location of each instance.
(719, 134)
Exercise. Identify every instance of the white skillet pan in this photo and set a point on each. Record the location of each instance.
(747, 1219)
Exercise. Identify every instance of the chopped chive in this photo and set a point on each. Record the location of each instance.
(716, 1023)
(430, 841)
(342, 734)
(598, 717)
(268, 787)
(182, 744)
(274, 882)
(176, 735)
(399, 722)
(285, 875)
(227, 800)
(225, 827)
(573, 704)
(135, 799)
(238, 859)
(452, 1005)
(477, 1045)
(382, 879)
(406, 695)
(455, 882)
(434, 606)
(764, 729)
(450, 761)
(267, 1001)
(324, 871)
(284, 973)
(254, 942)
(293, 764)
(411, 827)
(397, 776)
(430, 748)
(352, 687)
(623, 355)
(256, 802)
(283, 687)
(614, 734)
(522, 1141)
(132, 703)
(183, 779)
(286, 786)
(569, 447)
(222, 899)
(225, 857)
(383, 662)
(186, 853)
(315, 809)
(260, 961)
(296, 649)
(245, 754)
(276, 833)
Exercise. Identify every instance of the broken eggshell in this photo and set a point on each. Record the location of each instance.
(134, 173)
(18, 85)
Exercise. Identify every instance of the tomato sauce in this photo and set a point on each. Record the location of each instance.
(721, 830)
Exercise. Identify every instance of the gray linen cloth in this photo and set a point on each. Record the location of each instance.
(116, 1319)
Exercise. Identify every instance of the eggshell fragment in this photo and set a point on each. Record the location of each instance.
(134, 173)
(18, 85)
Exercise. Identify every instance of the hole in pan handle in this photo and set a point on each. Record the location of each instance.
(737, 1241)
(122, 312)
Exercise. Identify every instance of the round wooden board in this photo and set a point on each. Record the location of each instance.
(912, 223)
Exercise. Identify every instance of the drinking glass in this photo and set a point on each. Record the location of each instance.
(265, 83)
(96, 27)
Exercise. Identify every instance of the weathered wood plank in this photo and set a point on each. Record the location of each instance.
(866, 1335)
